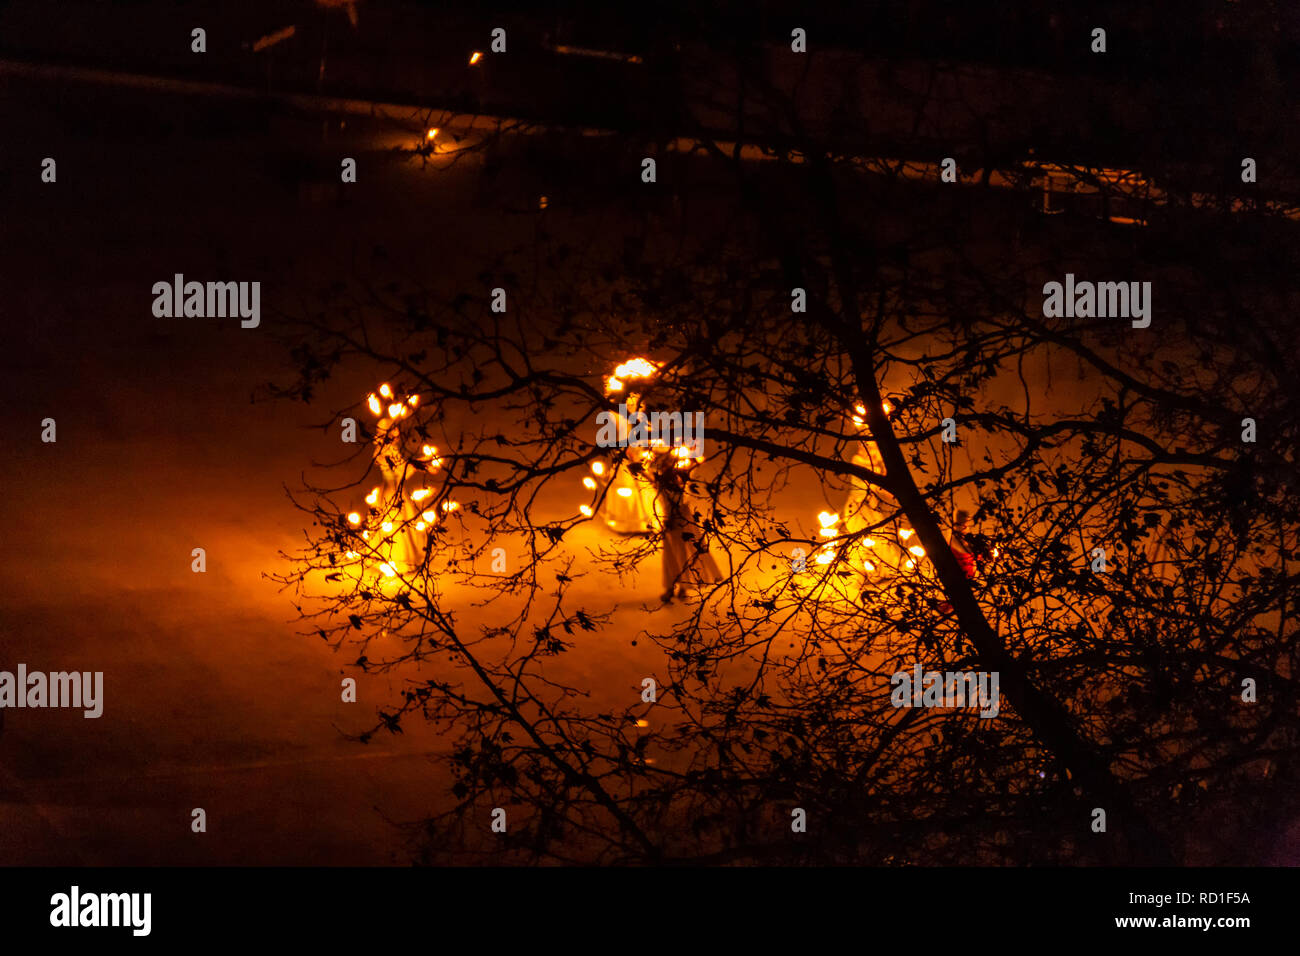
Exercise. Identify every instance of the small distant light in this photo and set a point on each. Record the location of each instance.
(395, 411)
(430, 516)
(374, 404)
(906, 533)
(388, 570)
(354, 518)
(589, 483)
(450, 505)
(386, 527)
(643, 723)
(413, 400)
(432, 134)
(586, 511)
(475, 57)
(385, 391)
(625, 492)
(598, 467)
(421, 494)
(373, 496)
(541, 203)
(868, 565)
(428, 450)
(419, 526)
(917, 550)
(910, 565)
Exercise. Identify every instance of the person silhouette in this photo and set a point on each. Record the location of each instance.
(686, 558)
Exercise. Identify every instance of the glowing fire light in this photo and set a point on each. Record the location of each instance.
(432, 134)
(385, 390)
(430, 516)
(395, 411)
(631, 369)
(386, 527)
(354, 518)
(905, 533)
(586, 510)
(373, 402)
(860, 418)
(388, 570)
(598, 467)
(421, 494)
(625, 492)
(475, 57)
(917, 550)
(589, 483)
(373, 496)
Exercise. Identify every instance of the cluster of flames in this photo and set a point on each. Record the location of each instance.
(394, 514)
(634, 369)
(829, 523)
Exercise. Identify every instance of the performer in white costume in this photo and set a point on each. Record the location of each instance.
(687, 561)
